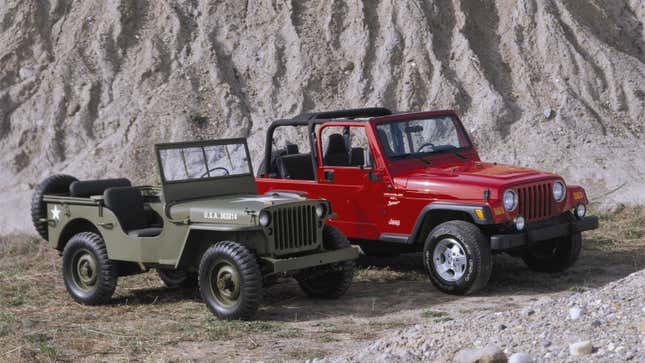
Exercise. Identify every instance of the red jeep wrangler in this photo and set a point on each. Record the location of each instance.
(402, 182)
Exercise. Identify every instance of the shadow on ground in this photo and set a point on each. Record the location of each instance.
(390, 285)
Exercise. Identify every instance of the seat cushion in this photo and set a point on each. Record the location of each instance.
(87, 188)
(145, 232)
(337, 153)
(128, 205)
(297, 167)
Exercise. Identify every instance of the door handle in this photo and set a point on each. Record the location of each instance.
(329, 175)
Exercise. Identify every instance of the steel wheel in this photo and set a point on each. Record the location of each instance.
(90, 278)
(449, 259)
(230, 280)
(84, 269)
(225, 283)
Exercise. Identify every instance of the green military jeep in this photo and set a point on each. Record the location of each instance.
(206, 225)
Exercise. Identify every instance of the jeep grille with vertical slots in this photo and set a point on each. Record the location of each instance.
(295, 228)
(536, 201)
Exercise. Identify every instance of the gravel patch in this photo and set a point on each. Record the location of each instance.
(605, 324)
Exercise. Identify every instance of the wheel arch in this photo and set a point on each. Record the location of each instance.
(436, 213)
(198, 240)
(73, 227)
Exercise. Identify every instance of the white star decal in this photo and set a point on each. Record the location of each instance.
(56, 213)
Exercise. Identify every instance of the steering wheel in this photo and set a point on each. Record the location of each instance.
(426, 145)
(226, 172)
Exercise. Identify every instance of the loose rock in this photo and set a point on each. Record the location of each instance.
(581, 348)
(488, 354)
(575, 313)
(520, 358)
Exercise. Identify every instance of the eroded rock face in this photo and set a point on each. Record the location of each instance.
(86, 88)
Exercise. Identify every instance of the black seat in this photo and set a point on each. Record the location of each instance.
(292, 149)
(128, 205)
(357, 157)
(297, 166)
(337, 153)
(87, 188)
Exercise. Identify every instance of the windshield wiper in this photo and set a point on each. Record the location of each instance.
(411, 156)
(421, 159)
(458, 154)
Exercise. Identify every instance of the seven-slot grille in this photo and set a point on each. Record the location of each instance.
(295, 228)
(535, 201)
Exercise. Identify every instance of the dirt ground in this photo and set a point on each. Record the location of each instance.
(146, 321)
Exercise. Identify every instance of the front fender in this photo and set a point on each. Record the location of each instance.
(575, 195)
(480, 214)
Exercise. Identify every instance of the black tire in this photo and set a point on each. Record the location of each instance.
(475, 248)
(54, 184)
(329, 281)
(228, 262)
(177, 278)
(554, 255)
(90, 277)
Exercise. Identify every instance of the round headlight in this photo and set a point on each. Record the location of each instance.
(520, 223)
(321, 210)
(581, 210)
(559, 191)
(510, 200)
(265, 218)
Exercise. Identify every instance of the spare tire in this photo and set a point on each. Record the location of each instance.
(55, 184)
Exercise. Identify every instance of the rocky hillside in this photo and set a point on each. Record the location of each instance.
(86, 87)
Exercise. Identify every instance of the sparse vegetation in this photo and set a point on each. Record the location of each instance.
(289, 333)
(436, 316)
(38, 322)
(391, 324)
(220, 329)
(578, 289)
(621, 230)
(199, 119)
(383, 274)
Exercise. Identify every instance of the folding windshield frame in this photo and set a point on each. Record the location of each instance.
(189, 189)
(201, 144)
(420, 116)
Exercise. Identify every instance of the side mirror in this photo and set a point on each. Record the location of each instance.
(374, 176)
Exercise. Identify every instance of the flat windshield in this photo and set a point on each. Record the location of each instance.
(204, 161)
(413, 137)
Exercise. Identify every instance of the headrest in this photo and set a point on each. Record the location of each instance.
(292, 149)
(87, 188)
(336, 144)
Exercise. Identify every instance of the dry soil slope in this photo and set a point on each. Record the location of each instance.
(87, 87)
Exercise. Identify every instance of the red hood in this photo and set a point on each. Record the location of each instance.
(472, 176)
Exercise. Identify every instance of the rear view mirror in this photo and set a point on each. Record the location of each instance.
(411, 129)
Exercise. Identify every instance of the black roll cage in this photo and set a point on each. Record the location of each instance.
(311, 120)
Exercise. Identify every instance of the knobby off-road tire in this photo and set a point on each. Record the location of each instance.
(463, 246)
(90, 277)
(230, 281)
(554, 255)
(177, 278)
(58, 183)
(330, 281)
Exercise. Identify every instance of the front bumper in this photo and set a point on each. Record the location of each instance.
(316, 259)
(542, 232)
